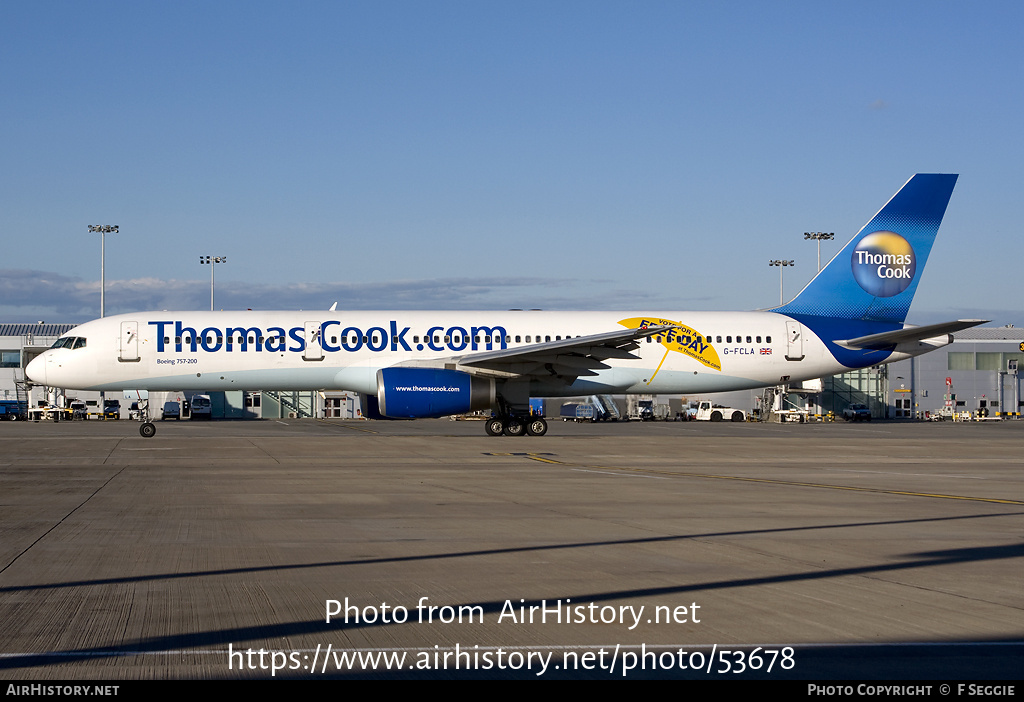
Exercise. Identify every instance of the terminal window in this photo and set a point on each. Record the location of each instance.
(960, 360)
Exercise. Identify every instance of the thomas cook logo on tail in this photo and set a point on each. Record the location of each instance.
(884, 264)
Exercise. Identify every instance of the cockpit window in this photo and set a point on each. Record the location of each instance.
(69, 342)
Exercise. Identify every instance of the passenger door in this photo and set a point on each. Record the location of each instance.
(314, 344)
(794, 341)
(129, 344)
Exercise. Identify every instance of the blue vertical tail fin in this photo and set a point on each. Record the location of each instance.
(875, 275)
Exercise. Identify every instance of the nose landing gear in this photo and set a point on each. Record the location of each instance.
(147, 428)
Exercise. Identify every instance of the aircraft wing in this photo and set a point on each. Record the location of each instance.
(568, 358)
(891, 338)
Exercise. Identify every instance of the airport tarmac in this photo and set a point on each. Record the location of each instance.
(871, 551)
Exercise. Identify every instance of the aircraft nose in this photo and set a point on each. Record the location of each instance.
(36, 369)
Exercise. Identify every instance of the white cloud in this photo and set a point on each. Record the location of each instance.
(34, 294)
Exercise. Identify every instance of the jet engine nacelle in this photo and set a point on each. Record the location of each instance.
(431, 392)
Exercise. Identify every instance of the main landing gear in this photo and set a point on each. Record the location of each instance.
(512, 425)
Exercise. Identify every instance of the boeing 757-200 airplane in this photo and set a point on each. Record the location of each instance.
(433, 364)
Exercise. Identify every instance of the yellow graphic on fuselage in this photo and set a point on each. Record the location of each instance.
(680, 338)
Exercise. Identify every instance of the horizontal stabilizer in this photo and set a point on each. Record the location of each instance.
(899, 336)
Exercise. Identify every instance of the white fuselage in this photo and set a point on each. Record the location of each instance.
(716, 351)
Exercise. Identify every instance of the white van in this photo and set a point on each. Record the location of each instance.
(201, 407)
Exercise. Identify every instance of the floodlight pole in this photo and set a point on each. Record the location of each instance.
(781, 263)
(818, 236)
(212, 261)
(103, 229)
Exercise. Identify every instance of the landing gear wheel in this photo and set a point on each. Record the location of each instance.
(537, 426)
(515, 427)
(494, 426)
(148, 430)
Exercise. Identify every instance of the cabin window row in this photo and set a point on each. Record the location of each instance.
(220, 340)
(728, 339)
(519, 339)
(79, 342)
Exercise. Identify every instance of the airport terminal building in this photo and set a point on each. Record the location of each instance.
(976, 373)
(978, 370)
(19, 344)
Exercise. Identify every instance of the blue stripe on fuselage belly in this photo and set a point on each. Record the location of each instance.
(830, 328)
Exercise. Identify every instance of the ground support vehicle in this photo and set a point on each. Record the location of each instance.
(706, 412)
(12, 410)
(111, 409)
(578, 412)
(857, 413)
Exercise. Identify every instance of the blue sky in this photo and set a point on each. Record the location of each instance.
(560, 155)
